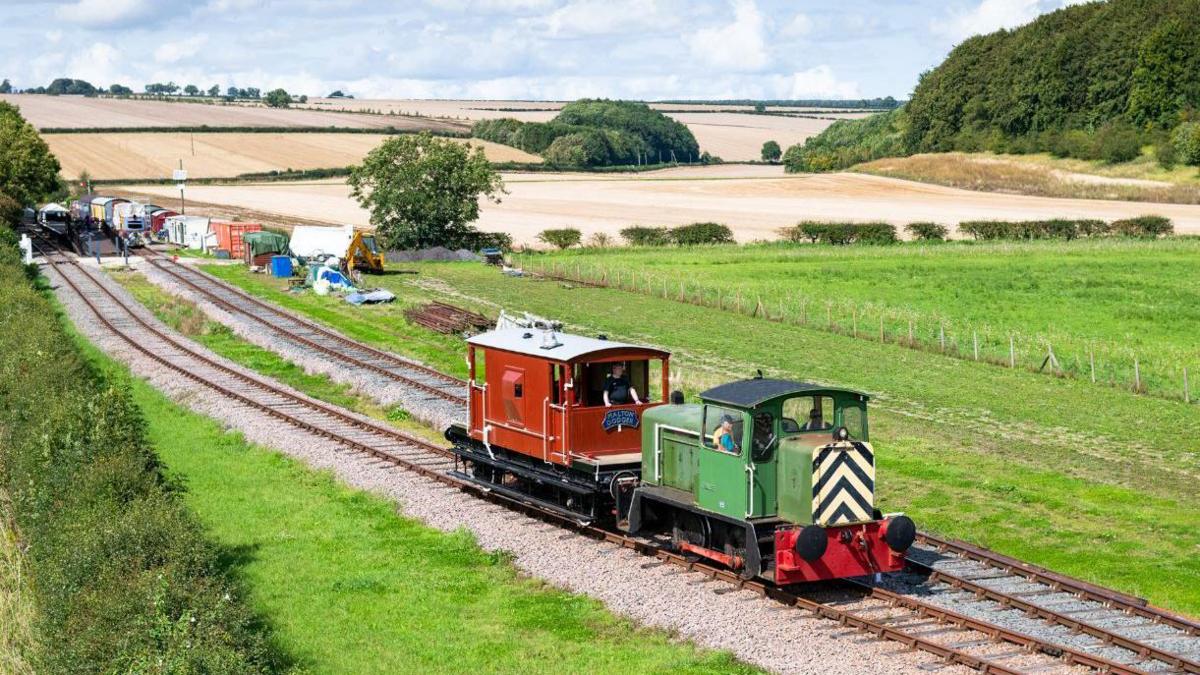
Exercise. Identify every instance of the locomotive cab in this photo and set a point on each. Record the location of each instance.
(790, 496)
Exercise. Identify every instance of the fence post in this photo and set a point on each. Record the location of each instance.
(804, 311)
(1092, 363)
(942, 336)
(854, 321)
(829, 315)
(910, 333)
(881, 340)
(739, 301)
(719, 303)
(1012, 353)
(1187, 392)
(975, 342)
(1137, 375)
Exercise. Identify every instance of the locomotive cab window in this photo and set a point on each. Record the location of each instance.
(764, 438)
(854, 418)
(713, 416)
(806, 414)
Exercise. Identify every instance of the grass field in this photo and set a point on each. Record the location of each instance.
(1141, 180)
(1106, 301)
(108, 156)
(347, 585)
(1088, 480)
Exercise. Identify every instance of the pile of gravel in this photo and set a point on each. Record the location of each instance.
(428, 409)
(435, 254)
(756, 630)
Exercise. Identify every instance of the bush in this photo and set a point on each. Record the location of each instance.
(1091, 228)
(841, 234)
(875, 233)
(927, 231)
(476, 240)
(600, 240)
(638, 235)
(10, 211)
(1143, 226)
(1166, 154)
(1117, 143)
(563, 238)
(1186, 139)
(702, 233)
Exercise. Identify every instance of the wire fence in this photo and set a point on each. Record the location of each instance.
(1160, 372)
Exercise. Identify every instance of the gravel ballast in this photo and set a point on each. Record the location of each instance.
(709, 613)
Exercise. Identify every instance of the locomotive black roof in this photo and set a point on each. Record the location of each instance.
(752, 392)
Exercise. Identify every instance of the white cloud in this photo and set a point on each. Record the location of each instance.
(99, 64)
(799, 26)
(817, 82)
(737, 46)
(176, 50)
(606, 17)
(992, 15)
(103, 13)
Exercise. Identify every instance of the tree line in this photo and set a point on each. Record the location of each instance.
(65, 86)
(1096, 81)
(599, 132)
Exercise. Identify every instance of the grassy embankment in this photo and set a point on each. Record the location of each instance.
(349, 586)
(17, 609)
(1088, 480)
(1045, 176)
(1105, 301)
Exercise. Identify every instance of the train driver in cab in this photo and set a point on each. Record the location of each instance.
(723, 436)
(617, 390)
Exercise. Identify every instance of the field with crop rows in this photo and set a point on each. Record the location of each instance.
(223, 155)
(1102, 304)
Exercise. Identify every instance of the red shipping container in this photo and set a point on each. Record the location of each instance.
(229, 235)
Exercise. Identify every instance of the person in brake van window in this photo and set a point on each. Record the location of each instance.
(723, 436)
(617, 390)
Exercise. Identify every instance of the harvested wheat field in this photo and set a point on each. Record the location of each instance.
(75, 112)
(753, 200)
(135, 156)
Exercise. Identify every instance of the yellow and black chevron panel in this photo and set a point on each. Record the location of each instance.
(843, 483)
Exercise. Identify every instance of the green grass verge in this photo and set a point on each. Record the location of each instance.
(1091, 481)
(349, 586)
(1105, 301)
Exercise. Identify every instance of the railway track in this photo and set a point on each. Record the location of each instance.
(953, 636)
(310, 335)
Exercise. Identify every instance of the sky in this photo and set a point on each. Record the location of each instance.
(507, 49)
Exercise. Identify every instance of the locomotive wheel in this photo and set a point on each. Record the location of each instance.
(691, 528)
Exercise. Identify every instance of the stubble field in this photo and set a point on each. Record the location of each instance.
(133, 156)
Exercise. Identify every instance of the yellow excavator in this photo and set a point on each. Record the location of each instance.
(363, 255)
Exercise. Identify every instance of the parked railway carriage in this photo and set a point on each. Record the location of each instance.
(773, 478)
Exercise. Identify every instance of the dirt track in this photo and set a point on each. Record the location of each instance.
(753, 200)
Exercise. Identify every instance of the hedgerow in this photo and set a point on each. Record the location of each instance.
(124, 579)
(840, 234)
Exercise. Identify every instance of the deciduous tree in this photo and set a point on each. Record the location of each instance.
(424, 191)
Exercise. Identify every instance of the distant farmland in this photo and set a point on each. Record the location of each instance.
(222, 155)
(80, 112)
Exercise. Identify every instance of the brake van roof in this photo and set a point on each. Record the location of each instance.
(566, 347)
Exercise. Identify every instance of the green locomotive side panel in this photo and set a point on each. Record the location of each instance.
(795, 481)
(670, 434)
